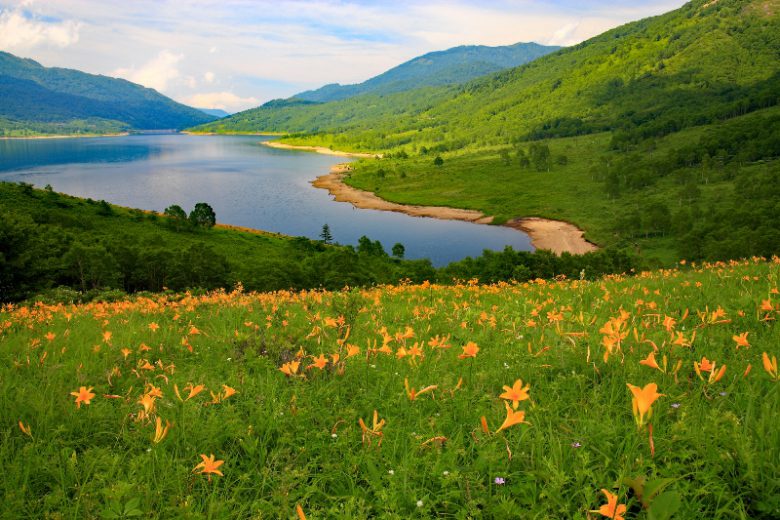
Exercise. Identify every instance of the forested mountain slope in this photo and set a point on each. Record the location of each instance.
(56, 100)
(448, 67)
(704, 62)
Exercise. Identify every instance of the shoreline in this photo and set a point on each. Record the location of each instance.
(61, 136)
(268, 134)
(556, 235)
(320, 149)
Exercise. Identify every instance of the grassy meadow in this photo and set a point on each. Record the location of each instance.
(534, 400)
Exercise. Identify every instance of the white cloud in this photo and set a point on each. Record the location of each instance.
(157, 73)
(208, 77)
(18, 30)
(563, 36)
(225, 100)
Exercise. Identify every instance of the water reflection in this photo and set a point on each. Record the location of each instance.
(247, 185)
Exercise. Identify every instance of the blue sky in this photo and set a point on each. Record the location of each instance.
(236, 54)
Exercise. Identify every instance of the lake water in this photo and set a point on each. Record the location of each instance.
(246, 183)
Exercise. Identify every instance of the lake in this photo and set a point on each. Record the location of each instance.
(246, 183)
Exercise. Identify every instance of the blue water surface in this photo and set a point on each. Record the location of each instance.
(246, 183)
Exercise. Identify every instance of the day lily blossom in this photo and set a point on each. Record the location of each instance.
(516, 393)
(741, 340)
(374, 431)
(160, 431)
(469, 350)
(208, 466)
(642, 401)
(512, 418)
(84, 395)
(611, 509)
(770, 365)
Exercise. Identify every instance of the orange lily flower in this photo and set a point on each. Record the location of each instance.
(708, 366)
(643, 400)
(319, 362)
(154, 391)
(412, 393)
(770, 365)
(153, 327)
(84, 395)
(193, 390)
(208, 466)
(126, 352)
(25, 429)
(469, 350)
(516, 393)
(107, 336)
(650, 361)
(512, 418)
(415, 351)
(352, 350)
(741, 340)
(147, 401)
(227, 391)
(299, 512)
(375, 430)
(611, 509)
(160, 432)
(290, 368)
(484, 423)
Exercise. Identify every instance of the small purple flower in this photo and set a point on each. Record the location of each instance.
(675, 405)
(499, 481)
(576, 444)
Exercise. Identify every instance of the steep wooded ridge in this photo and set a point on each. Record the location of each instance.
(448, 67)
(37, 99)
(704, 62)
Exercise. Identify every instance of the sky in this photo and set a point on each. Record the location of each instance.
(238, 54)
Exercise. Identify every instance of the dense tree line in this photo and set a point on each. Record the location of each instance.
(50, 241)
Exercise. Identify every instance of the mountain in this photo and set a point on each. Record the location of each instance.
(55, 100)
(661, 136)
(701, 63)
(452, 66)
(216, 112)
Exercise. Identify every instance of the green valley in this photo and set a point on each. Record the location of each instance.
(648, 131)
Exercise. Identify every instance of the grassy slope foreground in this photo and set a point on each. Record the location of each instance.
(395, 402)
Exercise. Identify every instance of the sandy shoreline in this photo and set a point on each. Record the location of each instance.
(555, 235)
(319, 149)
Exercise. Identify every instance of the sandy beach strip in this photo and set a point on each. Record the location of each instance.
(319, 149)
(555, 235)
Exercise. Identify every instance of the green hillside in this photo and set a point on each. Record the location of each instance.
(452, 66)
(704, 62)
(37, 99)
(645, 136)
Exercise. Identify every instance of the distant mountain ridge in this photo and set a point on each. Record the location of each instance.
(216, 112)
(52, 100)
(451, 66)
